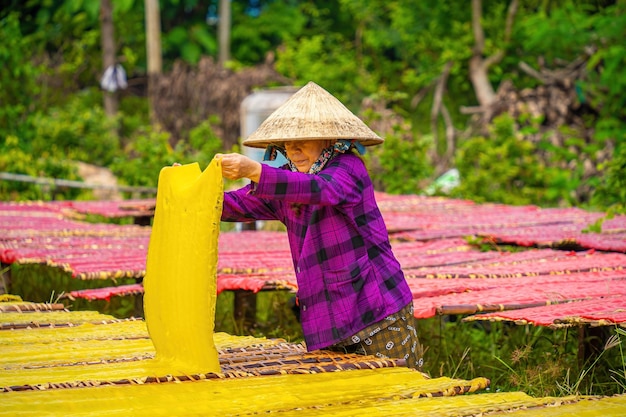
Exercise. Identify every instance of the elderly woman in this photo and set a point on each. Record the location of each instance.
(352, 293)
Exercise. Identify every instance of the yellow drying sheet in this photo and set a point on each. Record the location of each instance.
(91, 353)
(50, 318)
(181, 271)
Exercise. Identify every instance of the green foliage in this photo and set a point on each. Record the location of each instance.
(18, 76)
(42, 283)
(203, 143)
(327, 60)
(566, 180)
(189, 42)
(399, 166)
(149, 150)
(611, 192)
(79, 130)
(68, 36)
(560, 33)
(254, 36)
(606, 88)
(143, 158)
(134, 114)
(274, 318)
(13, 159)
(502, 167)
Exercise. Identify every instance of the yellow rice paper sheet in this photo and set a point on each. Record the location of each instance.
(181, 270)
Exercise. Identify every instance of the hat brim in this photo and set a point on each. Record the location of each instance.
(264, 143)
(312, 113)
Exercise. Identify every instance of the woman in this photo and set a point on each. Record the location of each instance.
(352, 293)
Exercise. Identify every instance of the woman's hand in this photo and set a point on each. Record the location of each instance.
(236, 166)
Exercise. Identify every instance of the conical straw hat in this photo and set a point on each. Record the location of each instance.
(311, 113)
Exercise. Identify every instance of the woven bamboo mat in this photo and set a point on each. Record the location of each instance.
(30, 221)
(130, 367)
(120, 353)
(279, 394)
(14, 320)
(43, 371)
(108, 367)
(486, 217)
(22, 307)
(256, 261)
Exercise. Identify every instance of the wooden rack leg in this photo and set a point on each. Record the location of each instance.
(5, 278)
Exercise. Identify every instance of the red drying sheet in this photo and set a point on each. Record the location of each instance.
(107, 293)
(522, 292)
(453, 215)
(434, 253)
(39, 233)
(607, 310)
(256, 282)
(425, 288)
(520, 264)
(428, 242)
(110, 209)
(225, 282)
(428, 218)
(563, 236)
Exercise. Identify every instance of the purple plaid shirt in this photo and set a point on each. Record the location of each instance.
(348, 277)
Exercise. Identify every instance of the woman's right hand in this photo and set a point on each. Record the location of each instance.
(236, 166)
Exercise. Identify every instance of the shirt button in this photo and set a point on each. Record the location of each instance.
(303, 308)
(298, 270)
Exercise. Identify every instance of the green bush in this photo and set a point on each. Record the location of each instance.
(143, 158)
(203, 143)
(612, 190)
(16, 161)
(19, 88)
(502, 167)
(400, 165)
(80, 130)
(149, 150)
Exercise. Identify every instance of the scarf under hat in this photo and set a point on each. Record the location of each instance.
(341, 146)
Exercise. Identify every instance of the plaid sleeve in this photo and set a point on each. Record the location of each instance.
(339, 183)
(242, 205)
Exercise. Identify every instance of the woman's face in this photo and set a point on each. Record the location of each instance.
(303, 153)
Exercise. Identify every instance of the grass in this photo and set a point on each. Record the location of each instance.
(536, 360)
(41, 283)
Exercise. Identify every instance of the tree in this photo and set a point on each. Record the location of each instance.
(224, 32)
(479, 64)
(109, 59)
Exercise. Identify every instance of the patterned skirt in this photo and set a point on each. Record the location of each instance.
(394, 337)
